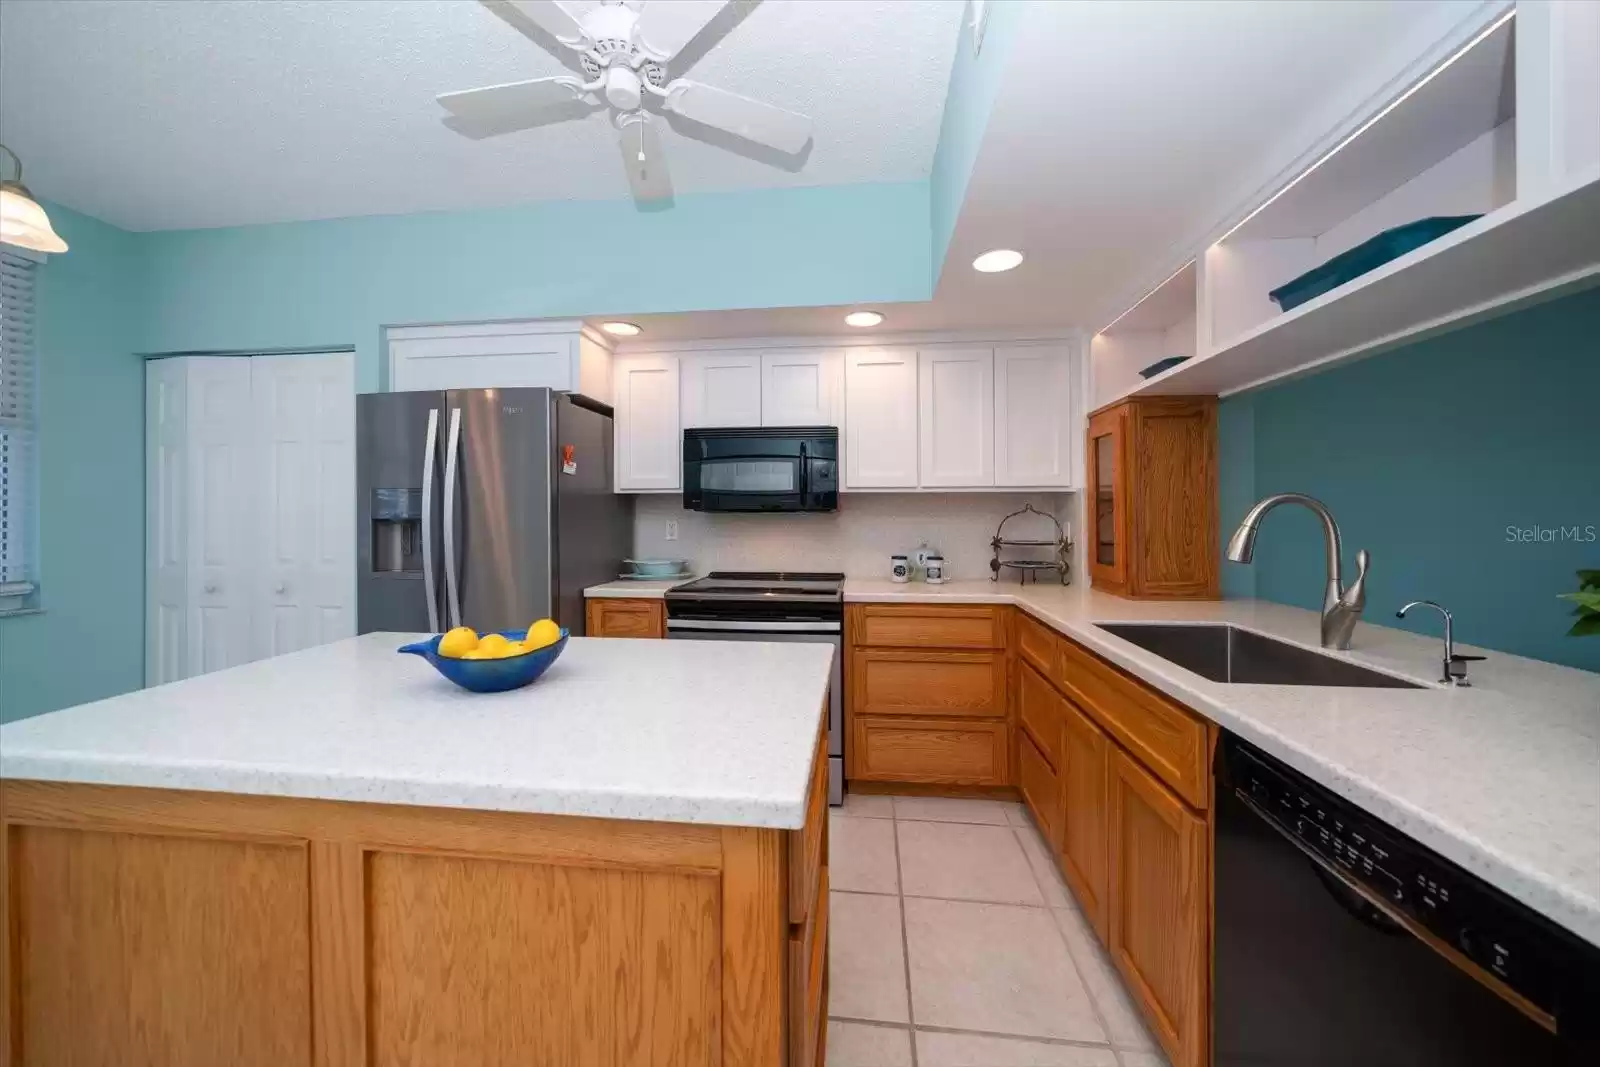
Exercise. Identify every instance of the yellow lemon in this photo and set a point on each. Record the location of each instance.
(493, 646)
(476, 653)
(542, 633)
(458, 642)
(514, 648)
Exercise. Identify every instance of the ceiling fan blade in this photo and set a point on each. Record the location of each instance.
(750, 119)
(548, 15)
(514, 106)
(648, 176)
(665, 26)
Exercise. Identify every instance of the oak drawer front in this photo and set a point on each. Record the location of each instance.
(1039, 712)
(1040, 788)
(808, 975)
(625, 618)
(1036, 643)
(904, 682)
(933, 751)
(808, 846)
(928, 625)
(1166, 738)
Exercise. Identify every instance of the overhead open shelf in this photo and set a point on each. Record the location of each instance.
(1159, 326)
(1505, 260)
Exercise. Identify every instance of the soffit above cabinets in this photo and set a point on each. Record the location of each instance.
(169, 114)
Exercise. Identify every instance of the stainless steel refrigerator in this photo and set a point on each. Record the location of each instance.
(487, 508)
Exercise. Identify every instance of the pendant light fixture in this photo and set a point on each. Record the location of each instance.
(22, 221)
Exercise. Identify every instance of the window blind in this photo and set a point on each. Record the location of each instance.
(18, 427)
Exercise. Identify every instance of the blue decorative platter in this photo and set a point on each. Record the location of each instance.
(491, 675)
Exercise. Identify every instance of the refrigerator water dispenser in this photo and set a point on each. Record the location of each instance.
(397, 531)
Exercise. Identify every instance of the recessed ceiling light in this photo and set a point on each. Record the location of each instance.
(620, 329)
(863, 318)
(995, 261)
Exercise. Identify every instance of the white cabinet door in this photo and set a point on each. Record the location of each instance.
(649, 436)
(880, 400)
(956, 402)
(800, 388)
(305, 487)
(220, 550)
(721, 389)
(166, 521)
(484, 356)
(1033, 416)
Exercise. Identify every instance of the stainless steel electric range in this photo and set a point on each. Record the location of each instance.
(771, 606)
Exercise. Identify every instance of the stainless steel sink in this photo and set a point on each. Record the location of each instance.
(1225, 653)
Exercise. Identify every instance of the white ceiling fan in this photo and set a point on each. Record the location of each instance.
(624, 51)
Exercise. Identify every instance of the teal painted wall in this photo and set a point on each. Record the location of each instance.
(340, 281)
(974, 83)
(89, 640)
(1426, 455)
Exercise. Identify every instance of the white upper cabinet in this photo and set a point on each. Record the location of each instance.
(560, 355)
(721, 389)
(648, 428)
(800, 388)
(1034, 425)
(956, 401)
(880, 398)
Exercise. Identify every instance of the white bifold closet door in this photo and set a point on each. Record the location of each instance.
(250, 485)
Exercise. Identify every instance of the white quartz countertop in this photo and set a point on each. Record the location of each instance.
(677, 731)
(1502, 778)
(640, 588)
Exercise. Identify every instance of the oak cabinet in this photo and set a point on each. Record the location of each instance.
(928, 625)
(1040, 787)
(625, 617)
(1152, 515)
(895, 681)
(928, 751)
(1159, 907)
(1038, 712)
(1084, 769)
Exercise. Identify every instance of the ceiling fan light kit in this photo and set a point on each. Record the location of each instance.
(624, 54)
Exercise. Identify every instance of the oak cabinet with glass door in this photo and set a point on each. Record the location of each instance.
(1152, 515)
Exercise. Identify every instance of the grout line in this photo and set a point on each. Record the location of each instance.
(1064, 1041)
(905, 938)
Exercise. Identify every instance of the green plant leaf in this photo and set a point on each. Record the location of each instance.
(1588, 626)
(1588, 580)
(1589, 602)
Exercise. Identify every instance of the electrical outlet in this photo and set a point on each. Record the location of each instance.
(672, 529)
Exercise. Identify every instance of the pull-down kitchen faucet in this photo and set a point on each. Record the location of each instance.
(1341, 608)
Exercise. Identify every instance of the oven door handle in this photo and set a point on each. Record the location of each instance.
(755, 626)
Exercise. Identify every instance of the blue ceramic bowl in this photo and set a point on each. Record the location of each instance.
(491, 675)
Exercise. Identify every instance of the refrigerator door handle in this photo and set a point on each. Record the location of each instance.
(430, 453)
(452, 581)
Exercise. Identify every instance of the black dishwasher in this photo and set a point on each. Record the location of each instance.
(1340, 940)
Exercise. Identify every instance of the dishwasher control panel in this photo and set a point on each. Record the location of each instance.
(1532, 957)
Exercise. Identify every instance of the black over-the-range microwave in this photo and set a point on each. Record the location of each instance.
(761, 468)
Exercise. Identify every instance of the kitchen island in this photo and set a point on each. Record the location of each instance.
(335, 857)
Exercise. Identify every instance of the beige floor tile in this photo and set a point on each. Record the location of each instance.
(981, 1050)
(1124, 1027)
(866, 958)
(861, 855)
(965, 861)
(867, 806)
(951, 809)
(860, 1045)
(994, 967)
(1138, 1059)
(1045, 871)
(1018, 815)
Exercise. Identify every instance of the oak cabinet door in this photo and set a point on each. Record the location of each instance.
(1039, 712)
(928, 751)
(1159, 907)
(892, 681)
(607, 617)
(1085, 755)
(1038, 785)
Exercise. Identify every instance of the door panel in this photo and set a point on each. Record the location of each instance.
(222, 539)
(504, 517)
(880, 397)
(903, 682)
(305, 444)
(1039, 787)
(1085, 767)
(166, 521)
(956, 414)
(928, 751)
(390, 447)
(649, 433)
(1034, 427)
(800, 388)
(721, 389)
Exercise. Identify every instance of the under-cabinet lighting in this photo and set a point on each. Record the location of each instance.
(1365, 126)
(620, 329)
(863, 318)
(1159, 286)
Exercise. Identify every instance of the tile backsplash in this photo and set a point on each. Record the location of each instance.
(857, 539)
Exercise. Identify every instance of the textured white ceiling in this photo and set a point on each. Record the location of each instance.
(162, 114)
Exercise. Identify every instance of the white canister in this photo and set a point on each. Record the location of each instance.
(933, 570)
(899, 568)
